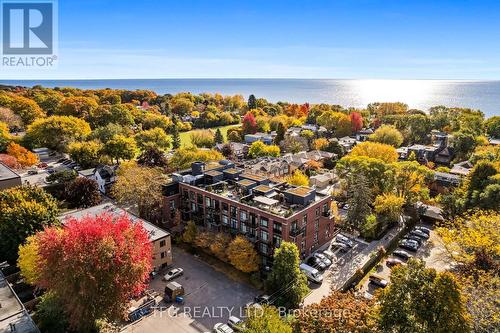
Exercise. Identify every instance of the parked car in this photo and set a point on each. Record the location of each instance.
(173, 273)
(346, 207)
(329, 254)
(222, 328)
(340, 246)
(316, 263)
(67, 162)
(32, 172)
(378, 281)
(343, 239)
(414, 238)
(409, 244)
(312, 273)
(391, 262)
(50, 170)
(236, 323)
(42, 165)
(262, 299)
(323, 258)
(61, 160)
(419, 233)
(423, 229)
(402, 254)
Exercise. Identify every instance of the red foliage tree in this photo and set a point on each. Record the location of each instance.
(249, 124)
(94, 265)
(356, 121)
(10, 161)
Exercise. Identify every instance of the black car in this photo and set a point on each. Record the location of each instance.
(423, 229)
(316, 263)
(32, 172)
(419, 233)
(402, 254)
(417, 239)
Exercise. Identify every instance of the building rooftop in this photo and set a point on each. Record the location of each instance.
(254, 177)
(12, 311)
(246, 182)
(300, 191)
(213, 173)
(6, 172)
(232, 171)
(155, 233)
(263, 188)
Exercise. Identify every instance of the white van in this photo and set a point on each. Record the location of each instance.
(312, 273)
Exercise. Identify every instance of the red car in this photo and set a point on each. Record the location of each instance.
(42, 165)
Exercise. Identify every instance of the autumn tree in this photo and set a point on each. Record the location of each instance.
(190, 232)
(381, 151)
(298, 178)
(389, 135)
(493, 126)
(265, 319)
(5, 137)
(82, 193)
(259, 148)
(77, 106)
(337, 312)
(249, 124)
(411, 180)
(155, 137)
(242, 255)
(28, 260)
(140, 187)
(104, 260)
(23, 211)
(203, 138)
(86, 154)
(23, 156)
(378, 173)
(389, 206)
(56, 132)
(420, 300)
(26, 109)
(356, 121)
(120, 148)
(220, 245)
(10, 161)
(183, 157)
(286, 280)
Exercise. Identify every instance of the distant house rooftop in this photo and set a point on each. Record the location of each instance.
(232, 171)
(155, 233)
(254, 177)
(246, 182)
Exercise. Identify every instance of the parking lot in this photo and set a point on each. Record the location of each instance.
(210, 297)
(431, 251)
(342, 268)
(38, 179)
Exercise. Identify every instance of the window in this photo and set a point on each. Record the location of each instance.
(225, 207)
(264, 235)
(191, 195)
(234, 211)
(243, 228)
(207, 201)
(317, 211)
(193, 207)
(263, 247)
(199, 198)
(325, 208)
(172, 204)
(304, 221)
(277, 241)
(316, 237)
(162, 255)
(234, 224)
(264, 222)
(163, 243)
(225, 220)
(277, 227)
(243, 215)
(316, 224)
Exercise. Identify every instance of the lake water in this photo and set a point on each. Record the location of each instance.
(419, 94)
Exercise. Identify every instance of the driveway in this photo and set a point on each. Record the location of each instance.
(210, 297)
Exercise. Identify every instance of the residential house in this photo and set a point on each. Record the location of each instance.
(462, 168)
(8, 178)
(239, 149)
(267, 138)
(105, 176)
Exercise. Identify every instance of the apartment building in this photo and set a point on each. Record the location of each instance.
(221, 197)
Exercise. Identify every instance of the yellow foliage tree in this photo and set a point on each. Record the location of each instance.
(28, 260)
(242, 255)
(377, 150)
(389, 205)
(298, 178)
(23, 155)
(320, 144)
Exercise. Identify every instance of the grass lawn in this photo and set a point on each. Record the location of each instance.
(186, 136)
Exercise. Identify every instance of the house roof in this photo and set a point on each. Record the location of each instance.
(232, 171)
(155, 233)
(7, 173)
(246, 182)
(300, 191)
(105, 171)
(265, 200)
(263, 188)
(256, 178)
(213, 173)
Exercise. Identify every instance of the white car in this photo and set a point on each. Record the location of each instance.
(236, 323)
(222, 328)
(343, 239)
(329, 254)
(173, 273)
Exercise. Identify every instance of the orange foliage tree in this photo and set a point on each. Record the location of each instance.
(23, 155)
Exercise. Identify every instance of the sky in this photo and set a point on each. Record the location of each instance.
(364, 39)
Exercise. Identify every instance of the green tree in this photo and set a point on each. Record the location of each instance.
(218, 136)
(49, 315)
(464, 144)
(265, 320)
(286, 281)
(420, 300)
(252, 102)
(359, 199)
(493, 126)
(23, 211)
(176, 139)
(242, 255)
(155, 137)
(280, 133)
(56, 132)
(411, 180)
(481, 187)
(120, 148)
(388, 135)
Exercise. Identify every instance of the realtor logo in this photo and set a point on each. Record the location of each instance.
(28, 31)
